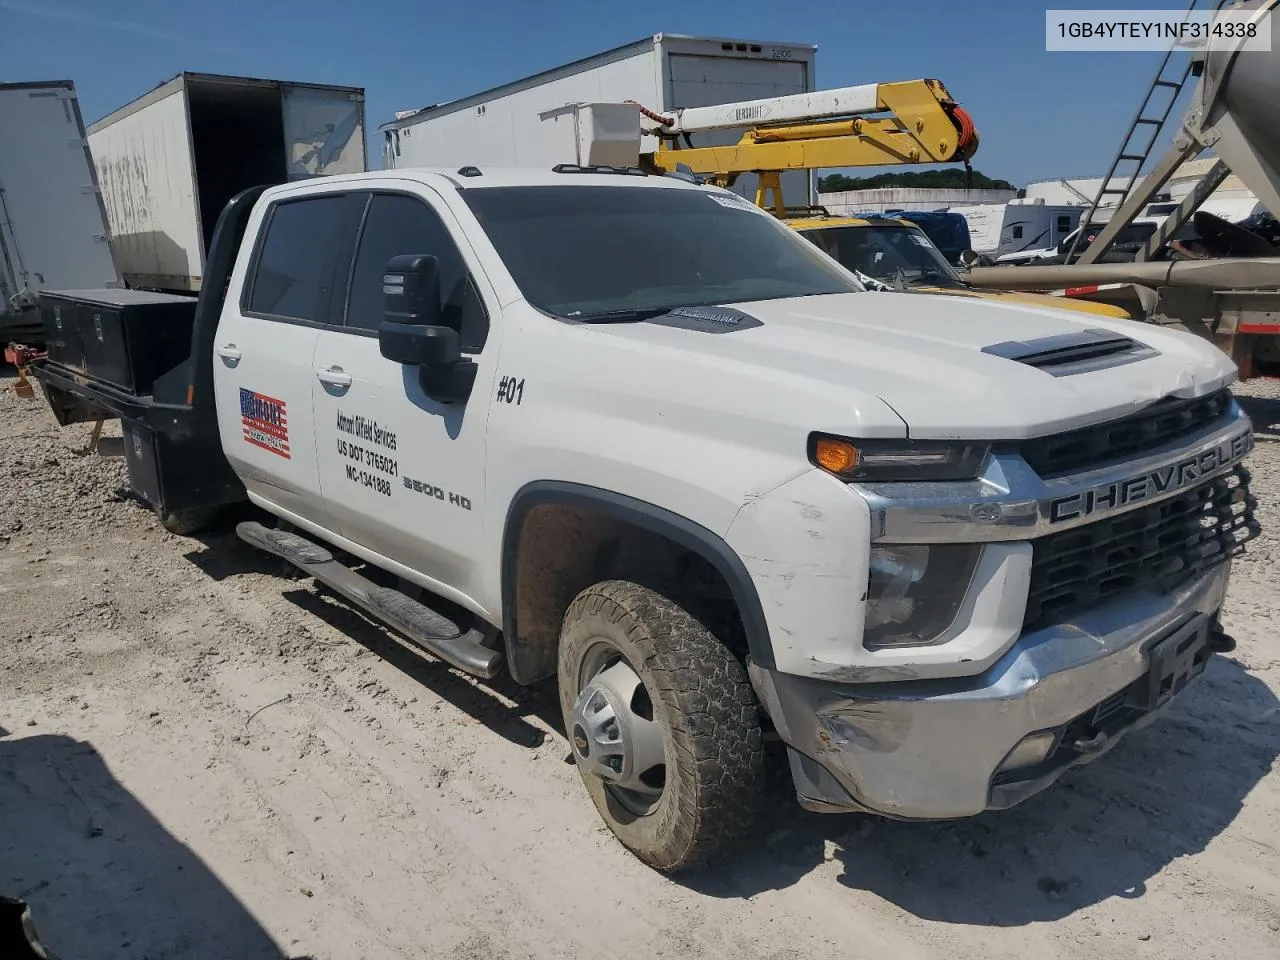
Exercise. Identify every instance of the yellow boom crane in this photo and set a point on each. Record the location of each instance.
(876, 124)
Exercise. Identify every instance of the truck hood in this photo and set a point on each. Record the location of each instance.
(923, 355)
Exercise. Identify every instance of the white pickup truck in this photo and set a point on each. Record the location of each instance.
(636, 434)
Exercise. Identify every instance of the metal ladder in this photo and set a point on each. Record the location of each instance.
(1146, 119)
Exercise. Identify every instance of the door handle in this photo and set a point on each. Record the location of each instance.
(334, 377)
(228, 352)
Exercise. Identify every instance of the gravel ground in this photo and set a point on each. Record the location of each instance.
(202, 759)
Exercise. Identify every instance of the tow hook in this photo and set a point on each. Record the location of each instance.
(1091, 744)
(1220, 641)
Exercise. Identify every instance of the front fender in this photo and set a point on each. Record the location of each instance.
(806, 545)
(532, 661)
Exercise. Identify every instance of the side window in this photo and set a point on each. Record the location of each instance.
(1064, 224)
(398, 225)
(1017, 231)
(293, 276)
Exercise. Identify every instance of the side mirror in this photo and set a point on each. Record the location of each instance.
(418, 345)
(968, 257)
(411, 333)
(411, 290)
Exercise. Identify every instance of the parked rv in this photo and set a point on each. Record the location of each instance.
(1231, 209)
(1127, 244)
(1132, 239)
(997, 229)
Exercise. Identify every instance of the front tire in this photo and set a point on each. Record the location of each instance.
(663, 725)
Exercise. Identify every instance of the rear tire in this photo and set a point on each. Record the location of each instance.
(643, 683)
(186, 522)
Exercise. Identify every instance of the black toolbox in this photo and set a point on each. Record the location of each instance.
(62, 332)
(152, 368)
(131, 355)
(126, 338)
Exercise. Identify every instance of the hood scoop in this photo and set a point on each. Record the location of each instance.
(1067, 354)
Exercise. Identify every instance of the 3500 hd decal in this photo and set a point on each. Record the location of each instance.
(431, 490)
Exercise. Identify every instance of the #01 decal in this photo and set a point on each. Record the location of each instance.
(265, 421)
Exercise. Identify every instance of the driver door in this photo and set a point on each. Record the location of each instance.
(404, 474)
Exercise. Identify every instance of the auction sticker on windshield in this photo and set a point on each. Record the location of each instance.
(733, 202)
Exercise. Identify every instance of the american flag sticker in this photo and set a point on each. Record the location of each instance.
(265, 422)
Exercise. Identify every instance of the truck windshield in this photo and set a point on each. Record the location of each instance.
(881, 251)
(604, 253)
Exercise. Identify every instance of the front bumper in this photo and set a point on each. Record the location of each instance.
(933, 749)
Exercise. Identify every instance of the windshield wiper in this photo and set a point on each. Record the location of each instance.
(934, 278)
(870, 282)
(633, 315)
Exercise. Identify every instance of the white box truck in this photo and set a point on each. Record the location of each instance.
(53, 229)
(169, 161)
(526, 123)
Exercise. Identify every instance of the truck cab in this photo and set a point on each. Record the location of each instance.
(638, 437)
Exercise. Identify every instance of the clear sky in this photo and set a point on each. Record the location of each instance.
(1039, 114)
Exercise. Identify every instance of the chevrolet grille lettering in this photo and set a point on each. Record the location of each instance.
(1111, 496)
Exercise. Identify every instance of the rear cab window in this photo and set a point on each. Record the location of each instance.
(292, 274)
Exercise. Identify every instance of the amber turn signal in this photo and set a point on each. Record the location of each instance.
(837, 456)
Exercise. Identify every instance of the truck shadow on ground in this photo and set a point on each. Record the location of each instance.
(1102, 831)
(501, 705)
(1265, 414)
(102, 876)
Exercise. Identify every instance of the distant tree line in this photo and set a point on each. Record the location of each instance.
(952, 178)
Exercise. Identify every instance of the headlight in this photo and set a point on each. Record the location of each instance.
(896, 460)
(914, 592)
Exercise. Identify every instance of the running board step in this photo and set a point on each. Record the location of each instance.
(431, 631)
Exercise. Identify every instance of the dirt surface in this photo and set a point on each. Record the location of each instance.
(202, 759)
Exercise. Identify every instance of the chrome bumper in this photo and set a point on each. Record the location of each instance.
(933, 749)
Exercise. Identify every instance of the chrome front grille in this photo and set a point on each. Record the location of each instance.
(1157, 546)
(1160, 423)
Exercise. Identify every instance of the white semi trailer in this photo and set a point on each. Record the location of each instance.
(531, 122)
(169, 161)
(53, 230)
